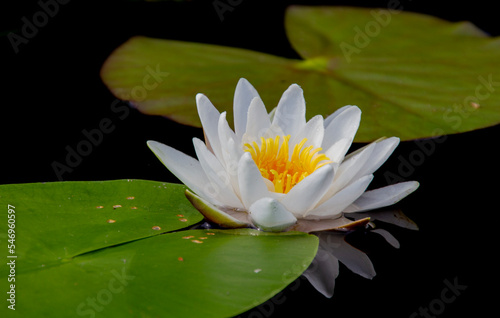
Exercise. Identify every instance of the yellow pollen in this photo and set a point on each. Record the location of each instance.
(282, 169)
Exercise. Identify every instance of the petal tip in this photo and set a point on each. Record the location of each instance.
(155, 146)
(199, 96)
(414, 185)
(295, 88)
(243, 81)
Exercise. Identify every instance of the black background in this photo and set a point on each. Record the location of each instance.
(52, 91)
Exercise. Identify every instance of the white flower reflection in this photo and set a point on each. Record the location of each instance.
(334, 249)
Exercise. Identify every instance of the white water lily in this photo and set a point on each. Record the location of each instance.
(278, 171)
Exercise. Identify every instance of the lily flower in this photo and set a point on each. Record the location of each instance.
(278, 171)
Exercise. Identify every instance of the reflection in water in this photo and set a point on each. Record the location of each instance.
(334, 249)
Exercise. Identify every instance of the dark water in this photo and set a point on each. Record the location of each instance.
(52, 92)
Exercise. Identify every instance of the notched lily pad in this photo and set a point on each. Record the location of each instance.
(72, 218)
(92, 248)
(413, 75)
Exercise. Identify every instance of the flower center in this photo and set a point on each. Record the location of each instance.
(282, 169)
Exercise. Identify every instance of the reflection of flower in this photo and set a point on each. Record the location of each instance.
(275, 169)
(333, 249)
(324, 269)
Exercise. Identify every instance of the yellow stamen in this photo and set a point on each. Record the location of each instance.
(283, 170)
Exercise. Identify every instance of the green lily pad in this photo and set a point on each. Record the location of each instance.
(71, 260)
(412, 75)
(162, 77)
(72, 218)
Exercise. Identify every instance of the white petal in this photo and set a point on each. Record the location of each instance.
(269, 184)
(270, 215)
(336, 113)
(234, 152)
(336, 204)
(313, 131)
(209, 117)
(230, 155)
(383, 149)
(217, 175)
(187, 169)
(307, 193)
(291, 111)
(257, 122)
(348, 170)
(228, 219)
(381, 197)
(243, 95)
(231, 151)
(342, 124)
(273, 131)
(338, 150)
(272, 113)
(251, 183)
(353, 164)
